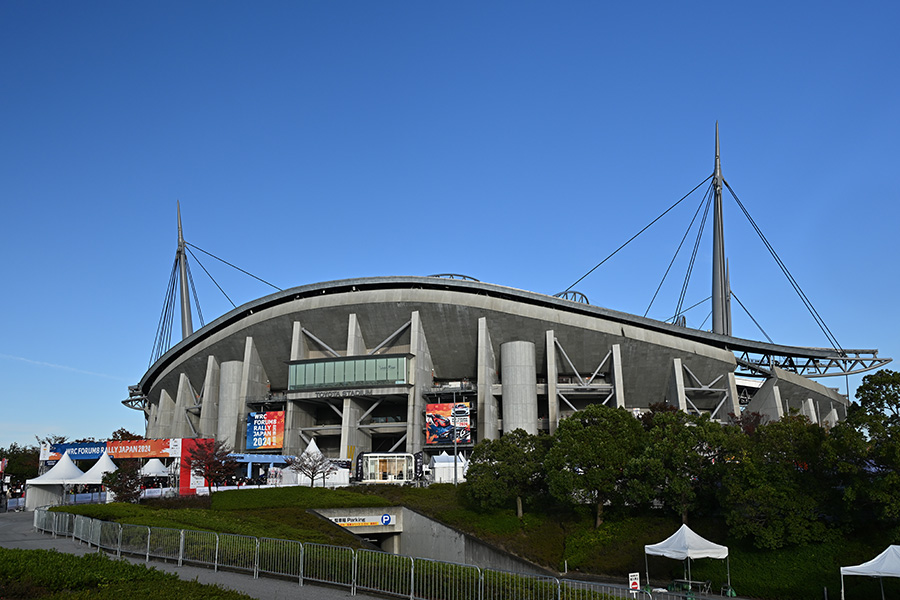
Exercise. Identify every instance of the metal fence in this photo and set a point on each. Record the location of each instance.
(367, 570)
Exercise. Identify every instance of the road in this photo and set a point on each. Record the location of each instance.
(16, 531)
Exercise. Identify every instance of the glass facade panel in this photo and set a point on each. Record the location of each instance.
(341, 373)
(392, 368)
(388, 467)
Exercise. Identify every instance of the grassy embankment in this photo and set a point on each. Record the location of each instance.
(51, 575)
(554, 537)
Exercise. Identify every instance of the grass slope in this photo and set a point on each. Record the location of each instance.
(552, 536)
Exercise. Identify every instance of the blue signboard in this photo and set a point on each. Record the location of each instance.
(88, 451)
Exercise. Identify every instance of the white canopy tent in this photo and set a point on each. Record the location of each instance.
(684, 544)
(64, 471)
(49, 487)
(94, 475)
(443, 466)
(154, 468)
(886, 564)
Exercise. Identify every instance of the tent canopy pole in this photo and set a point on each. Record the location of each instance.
(647, 567)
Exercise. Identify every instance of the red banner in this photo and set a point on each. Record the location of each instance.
(145, 448)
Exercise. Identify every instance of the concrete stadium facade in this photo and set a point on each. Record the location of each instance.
(521, 359)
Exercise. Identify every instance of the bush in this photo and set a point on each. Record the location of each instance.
(52, 574)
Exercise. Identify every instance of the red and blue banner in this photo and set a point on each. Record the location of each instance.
(265, 431)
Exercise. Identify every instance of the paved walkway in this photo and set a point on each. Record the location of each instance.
(16, 531)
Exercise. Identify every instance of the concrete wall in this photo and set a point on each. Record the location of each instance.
(425, 538)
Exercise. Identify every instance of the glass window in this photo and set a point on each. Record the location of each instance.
(392, 369)
(339, 372)
(320, 373)
(381, 369)
(329, 373)
(370, 371)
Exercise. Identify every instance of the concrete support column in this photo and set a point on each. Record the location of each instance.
(676, 395)
(209, 409)
(552, 380)
(808, 410)
(299, 348)
(733, 403)
(519, 377)
(421, 377)
(488, 425)
(185, 398)
(254, 388)
(767, 401)
(353, 439)
(356, 345)
(831, 417)
(165, 414)
(616, 377)
(152, 423)
(230, 405)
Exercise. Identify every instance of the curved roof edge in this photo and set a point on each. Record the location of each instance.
(724, 342)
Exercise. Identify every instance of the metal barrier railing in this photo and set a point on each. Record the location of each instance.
(239, 552)
(281, 557)
(439, 580)
(109, 536)
(499, 585)
(390, 574)
(201, 547)
(370, 570)
(329, 564)
(164, 543)
(135, 539)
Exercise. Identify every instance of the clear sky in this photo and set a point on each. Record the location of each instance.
(516, 142)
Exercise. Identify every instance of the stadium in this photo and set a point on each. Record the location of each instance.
(427, 364)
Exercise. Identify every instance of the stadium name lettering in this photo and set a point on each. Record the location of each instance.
(340, 393)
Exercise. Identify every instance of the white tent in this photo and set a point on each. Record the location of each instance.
(94, 475)
(684, 544)
(49, 487)
(154, 468)
(64, 471)
(886, 564)
(442, 468)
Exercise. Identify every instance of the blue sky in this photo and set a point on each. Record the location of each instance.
(515, 142)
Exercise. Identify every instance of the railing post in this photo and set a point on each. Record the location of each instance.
(412, 578)
(256, 561)
(353, 567)
(119, 542)
(302, 562)
(181, 549)
(149, 532)
(216, 566)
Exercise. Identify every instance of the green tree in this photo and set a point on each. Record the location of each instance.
(22, 462)
(508, 469)
(122, 435)
(677, 461)
(590, 452)
(776, 484)
(125, 482)
(877, 416)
